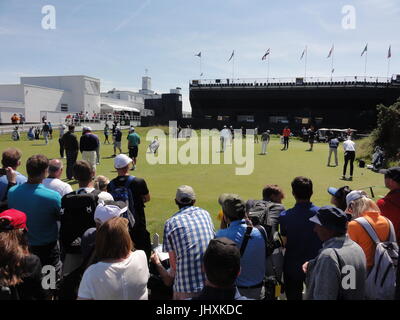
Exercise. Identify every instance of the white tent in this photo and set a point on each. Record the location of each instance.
(108, 107)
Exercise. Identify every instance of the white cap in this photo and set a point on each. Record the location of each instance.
(121, 161)
(354, 195)
(105, 212)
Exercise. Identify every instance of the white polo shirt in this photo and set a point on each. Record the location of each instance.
(349, 145)
(57, 185)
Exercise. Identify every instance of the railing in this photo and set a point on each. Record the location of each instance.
(293, 81)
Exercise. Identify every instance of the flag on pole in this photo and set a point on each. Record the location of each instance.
(304, 52)
(333, 70)
(330, 52)
(265, 55)
(233, 53)
(365, 50)
(390, 52)
(198, 55)
(201, 74)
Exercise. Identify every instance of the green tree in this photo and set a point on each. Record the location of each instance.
(387, 133)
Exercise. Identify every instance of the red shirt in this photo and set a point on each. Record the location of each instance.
(286, 132)
(390, 208)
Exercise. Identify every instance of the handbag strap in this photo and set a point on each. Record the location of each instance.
(246, 239)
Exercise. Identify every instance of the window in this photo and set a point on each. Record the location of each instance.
(223, 118)
(319, 120)
(278, 119)
(118, 96)
(245, 118)
(301, 120)
(64, 107)
(208, 117)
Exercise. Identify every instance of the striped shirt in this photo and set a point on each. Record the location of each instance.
(188, 233)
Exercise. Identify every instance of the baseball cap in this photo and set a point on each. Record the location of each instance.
(339, 192)
(331, 218)
(185, 195)
(392, 173)
(354, 195)
(232, 205)
(222, 253)
(15, 220)
(108, 210)
(121, 161)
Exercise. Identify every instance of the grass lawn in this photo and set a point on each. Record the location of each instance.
(209, 181)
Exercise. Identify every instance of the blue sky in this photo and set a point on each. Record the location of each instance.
(117, 40)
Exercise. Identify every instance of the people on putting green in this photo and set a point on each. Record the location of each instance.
(286, 135)
(333, 146)
(133, 146)
(265, 140)
(117, 136)
(311, 137)
(349, 157)
(225, 137)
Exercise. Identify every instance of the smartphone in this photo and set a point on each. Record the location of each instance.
(2, 172)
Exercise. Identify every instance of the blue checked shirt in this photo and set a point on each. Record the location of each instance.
(188, 233)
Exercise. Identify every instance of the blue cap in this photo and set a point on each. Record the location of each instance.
(331, 218)
(332, 190)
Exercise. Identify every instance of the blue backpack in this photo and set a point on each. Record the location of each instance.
(124, 194)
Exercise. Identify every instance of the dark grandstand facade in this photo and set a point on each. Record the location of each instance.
(330, 103)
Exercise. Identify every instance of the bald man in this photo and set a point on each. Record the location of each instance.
(53, 181)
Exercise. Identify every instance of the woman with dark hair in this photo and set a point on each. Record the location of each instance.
(339, 196)
(120, 274)
(20, 271)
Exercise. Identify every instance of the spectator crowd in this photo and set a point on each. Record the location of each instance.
(95, 244)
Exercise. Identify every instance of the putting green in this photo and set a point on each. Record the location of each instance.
(209, 181)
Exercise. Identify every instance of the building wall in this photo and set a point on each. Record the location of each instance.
(11, 92)
(83, 96)
(39, 99)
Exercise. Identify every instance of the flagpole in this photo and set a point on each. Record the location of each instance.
(305, 68)
(233, 66)
(268, 70)
(365, 69)
(201, 67)
(333, 52)
(388, 69)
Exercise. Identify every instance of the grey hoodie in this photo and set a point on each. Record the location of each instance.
(324, 280)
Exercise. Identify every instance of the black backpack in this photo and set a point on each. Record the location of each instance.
(258, 213)
(77, 215)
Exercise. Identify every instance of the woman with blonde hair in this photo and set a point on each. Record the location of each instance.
(359, 205)
(101, 183)
(120, 274)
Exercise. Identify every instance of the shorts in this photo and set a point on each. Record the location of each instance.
(117, 144)
(133, 152)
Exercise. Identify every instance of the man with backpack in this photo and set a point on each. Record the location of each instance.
(133, 191)
(266, 213)
(78, 209)
(340, 257)
(252, 243)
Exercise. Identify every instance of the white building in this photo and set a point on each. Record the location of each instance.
(57, 96)
(54, 97)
